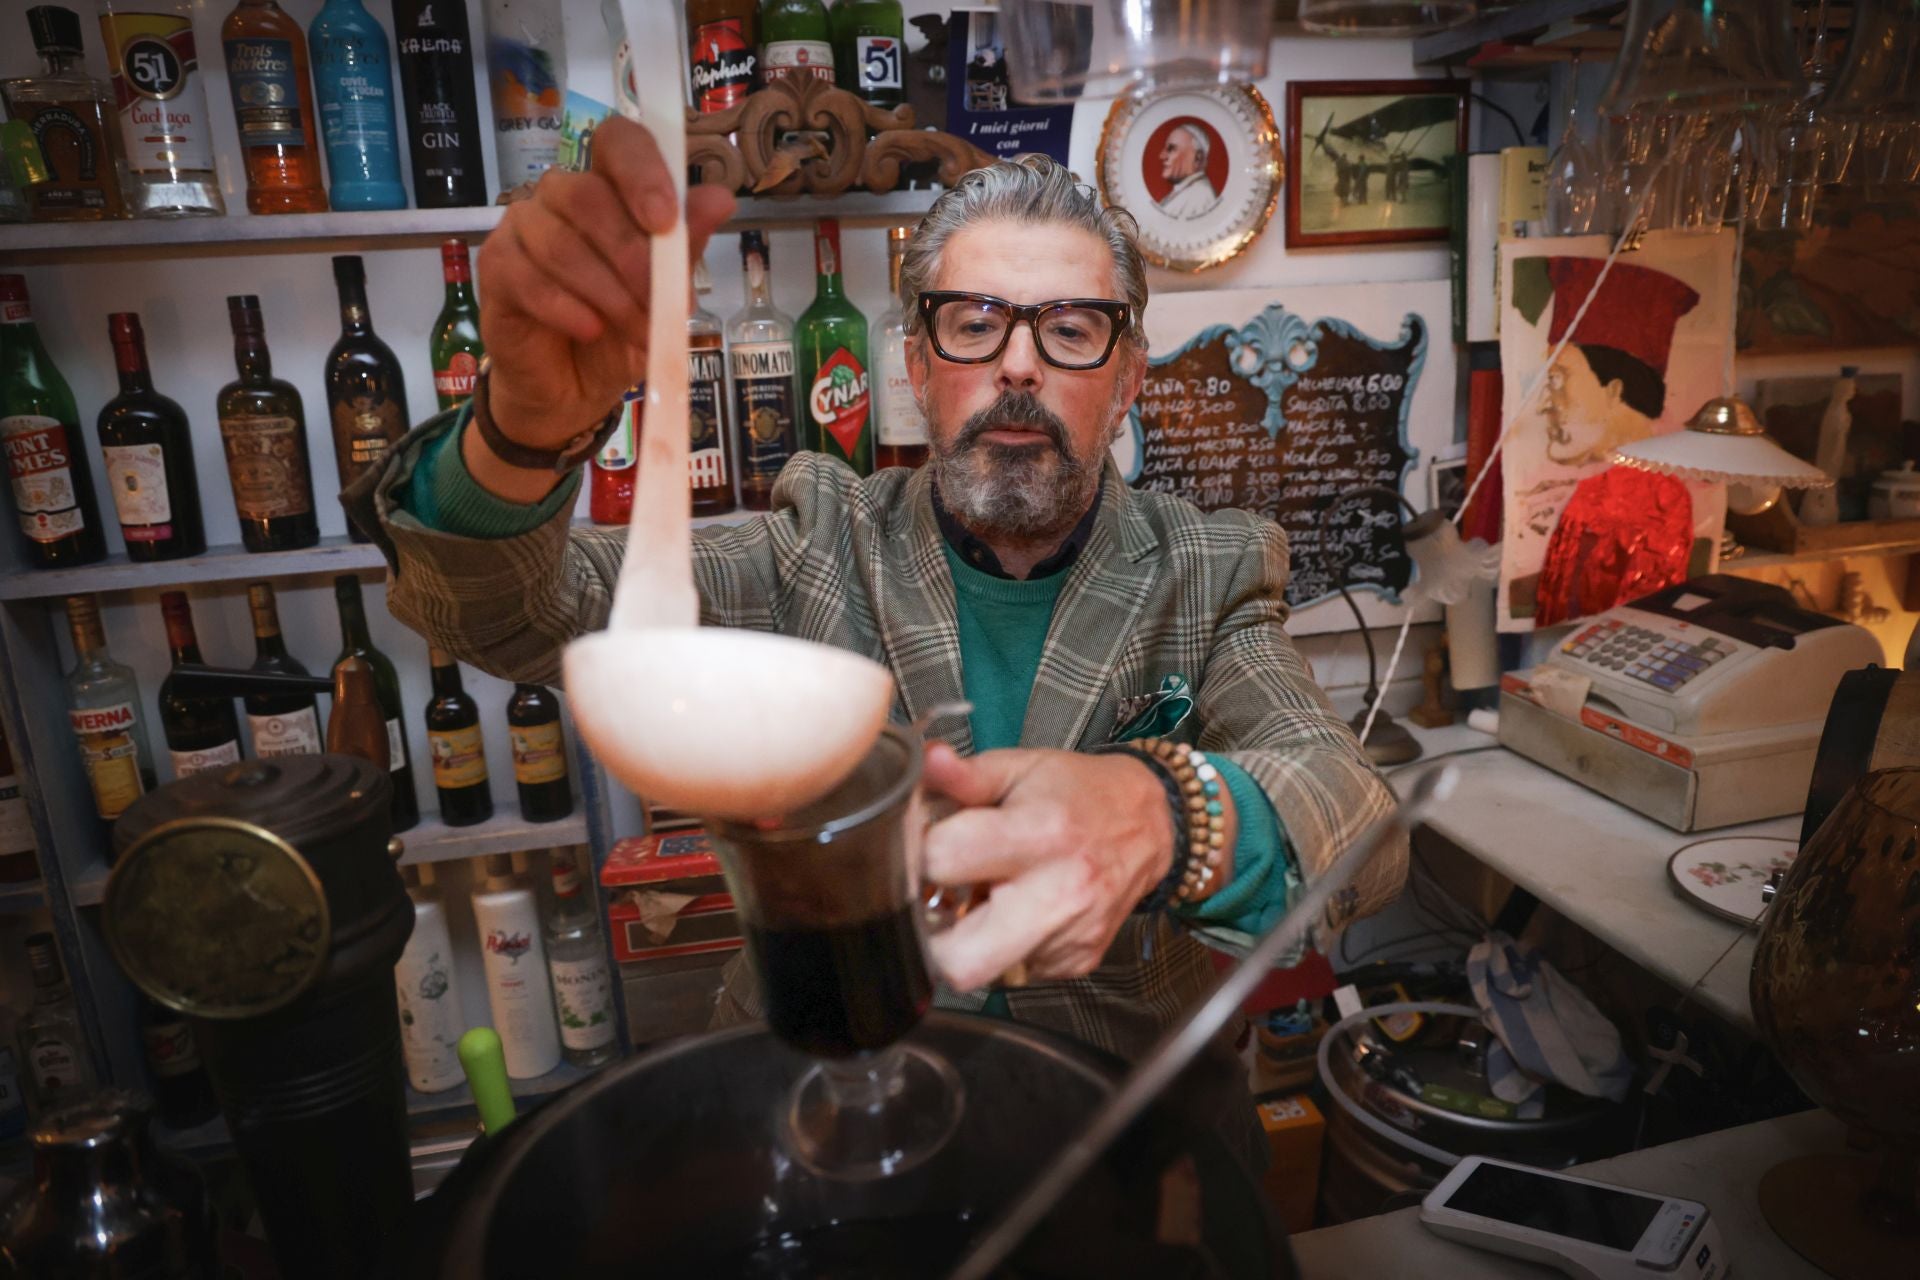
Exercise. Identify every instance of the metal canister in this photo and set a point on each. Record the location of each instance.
(262, 901)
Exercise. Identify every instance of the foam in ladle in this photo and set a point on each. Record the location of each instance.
(717, 722)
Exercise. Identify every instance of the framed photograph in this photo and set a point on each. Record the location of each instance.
(1367, 160)
(1199, 169)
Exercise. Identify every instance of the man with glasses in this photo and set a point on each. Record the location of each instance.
(1016, 570)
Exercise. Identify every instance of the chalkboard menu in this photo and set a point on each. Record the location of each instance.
(1284, 417)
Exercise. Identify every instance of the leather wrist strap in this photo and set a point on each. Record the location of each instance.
(1162, 894)
(559, 461)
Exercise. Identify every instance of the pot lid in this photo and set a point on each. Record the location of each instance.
(1905, 478)
(304, 800)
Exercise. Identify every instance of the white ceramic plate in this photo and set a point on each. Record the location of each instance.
(1724, 874)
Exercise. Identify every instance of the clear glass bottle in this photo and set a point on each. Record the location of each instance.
(900, 436)
(164, 130)
(109, 717)
(760, 342)
(59, 1069)
(67, 114)
(577, 958)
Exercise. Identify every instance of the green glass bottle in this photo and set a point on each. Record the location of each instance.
(456, 333)
(46, 453)
(870, 50)
(830, 344)
(356, 641)
(795, 40)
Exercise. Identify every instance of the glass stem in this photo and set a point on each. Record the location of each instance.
(865, 1082)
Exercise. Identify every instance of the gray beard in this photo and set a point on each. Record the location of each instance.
(1021, 492)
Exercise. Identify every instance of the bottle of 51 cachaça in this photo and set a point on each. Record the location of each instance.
(46, 454)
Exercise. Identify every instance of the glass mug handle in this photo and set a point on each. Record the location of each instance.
(943, 905)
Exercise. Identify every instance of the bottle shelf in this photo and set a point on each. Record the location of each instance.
(18, 899)
(430, 840)
(242, 233)
(460, 1097)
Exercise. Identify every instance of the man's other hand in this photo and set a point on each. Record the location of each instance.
(564, 283)
(1069, 844)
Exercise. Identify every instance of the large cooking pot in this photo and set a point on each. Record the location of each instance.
(668, 1165)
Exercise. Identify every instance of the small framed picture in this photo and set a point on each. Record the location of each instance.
(1367, 160)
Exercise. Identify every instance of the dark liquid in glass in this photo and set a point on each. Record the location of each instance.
(844, 989)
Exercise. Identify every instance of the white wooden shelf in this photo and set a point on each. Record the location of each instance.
(429, 840)
(243, 233)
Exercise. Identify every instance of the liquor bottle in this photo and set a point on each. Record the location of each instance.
(611, 474)
(353, 79)
(20, 167)
(18, 863)
(70, 116)
(459, 752)
(356, 727)
(514, 954)
(164, 131)
(626, 90)
(539, 754)
(456, 348)
(577, 958)
(148, 450)
(443, 119)
(263, 429)
(179, 1081)
(356, 641)
(366, 393)
(13, 1089)
(281, 724)
(46, 454)
(59, 1068)
(760, 336)
(795, 40)
(108, 716)
(831, 345)
(201, 733)
(900, 436)
(272, 92)
(707, 405)
(721, 36)
(870, 49)
(426, 982)
(527, 72)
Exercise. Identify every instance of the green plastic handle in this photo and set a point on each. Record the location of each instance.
(485, 1063)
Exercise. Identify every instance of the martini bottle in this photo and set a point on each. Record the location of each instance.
(830, 347)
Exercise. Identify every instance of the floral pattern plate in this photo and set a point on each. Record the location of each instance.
(1724, 874)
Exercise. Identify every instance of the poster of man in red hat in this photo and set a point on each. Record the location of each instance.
(1646, 345)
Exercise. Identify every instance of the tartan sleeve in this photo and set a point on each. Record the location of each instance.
(1261, 709)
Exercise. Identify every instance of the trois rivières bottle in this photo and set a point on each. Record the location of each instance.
(831, 344)
(514, 953)
(366, 392)
(108, 716)
(46, 454)
(711, 434)
(273, 106)
(165, 132)
(281, 724)
(459, 750)
(760, 338)
(356, 641)
(900, 435)
(263, 429)
(202, 732)
(539, 754)
(577, 955)
(149, 455)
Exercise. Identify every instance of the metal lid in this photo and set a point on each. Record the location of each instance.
(301, 799)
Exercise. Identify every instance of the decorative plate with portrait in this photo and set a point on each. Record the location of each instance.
(1198, 168)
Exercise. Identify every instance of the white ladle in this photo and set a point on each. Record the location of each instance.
(714, 721)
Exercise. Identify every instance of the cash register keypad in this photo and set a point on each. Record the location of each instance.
(1644, 655)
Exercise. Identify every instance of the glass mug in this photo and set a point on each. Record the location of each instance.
(836, 917)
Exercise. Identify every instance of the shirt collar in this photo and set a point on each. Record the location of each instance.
(980, 556)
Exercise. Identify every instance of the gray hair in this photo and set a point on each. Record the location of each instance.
(1034, 190)
(1202, 148)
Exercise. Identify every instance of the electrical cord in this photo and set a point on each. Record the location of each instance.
(1519, 134)
(1444, 755)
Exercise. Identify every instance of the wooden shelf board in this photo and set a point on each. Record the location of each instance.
(242, 233)
(1776, 559)
(461, 1098)
(18, 899)
(1513, 25)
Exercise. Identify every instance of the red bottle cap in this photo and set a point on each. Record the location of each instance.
(455, 260)
(826, 246)
(13, 288)
(179, 618)
(129, 343)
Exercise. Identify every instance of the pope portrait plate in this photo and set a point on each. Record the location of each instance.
(1199, 169)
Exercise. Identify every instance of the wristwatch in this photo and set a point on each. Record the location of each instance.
(559, 461)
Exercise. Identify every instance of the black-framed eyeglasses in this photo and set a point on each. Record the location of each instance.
(1072, 333)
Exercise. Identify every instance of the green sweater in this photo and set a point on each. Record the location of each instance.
(1003, 628)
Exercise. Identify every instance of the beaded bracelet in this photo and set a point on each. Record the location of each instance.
(1199, 817)
(1162, 893)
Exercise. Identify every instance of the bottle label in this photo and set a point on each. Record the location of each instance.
(356, 103)
(723, 64)
(763, 406)
(455, 382)
(583, 994)
(296, 733)
(70, 139)
(16, 826)
(188, 763)
(170, 1049)
(901, 423)
(539, 755)
(430, 1025)
(796, 59)
(526, 101)
(459, 760)
(396, 746)
(137, 475)
(838, 400)
(706, 416)
(55, 1066)
(39, 467)
(266, 92)
(877, 61)
(364, 429)
(620, 451)
(111, 756)
(156, 86)
(267, 465)
(566, 878)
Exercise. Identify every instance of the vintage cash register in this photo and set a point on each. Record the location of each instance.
(1699, 706)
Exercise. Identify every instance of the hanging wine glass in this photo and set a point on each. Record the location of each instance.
(1573, 170)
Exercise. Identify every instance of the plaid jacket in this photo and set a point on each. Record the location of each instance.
(1160, 589)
